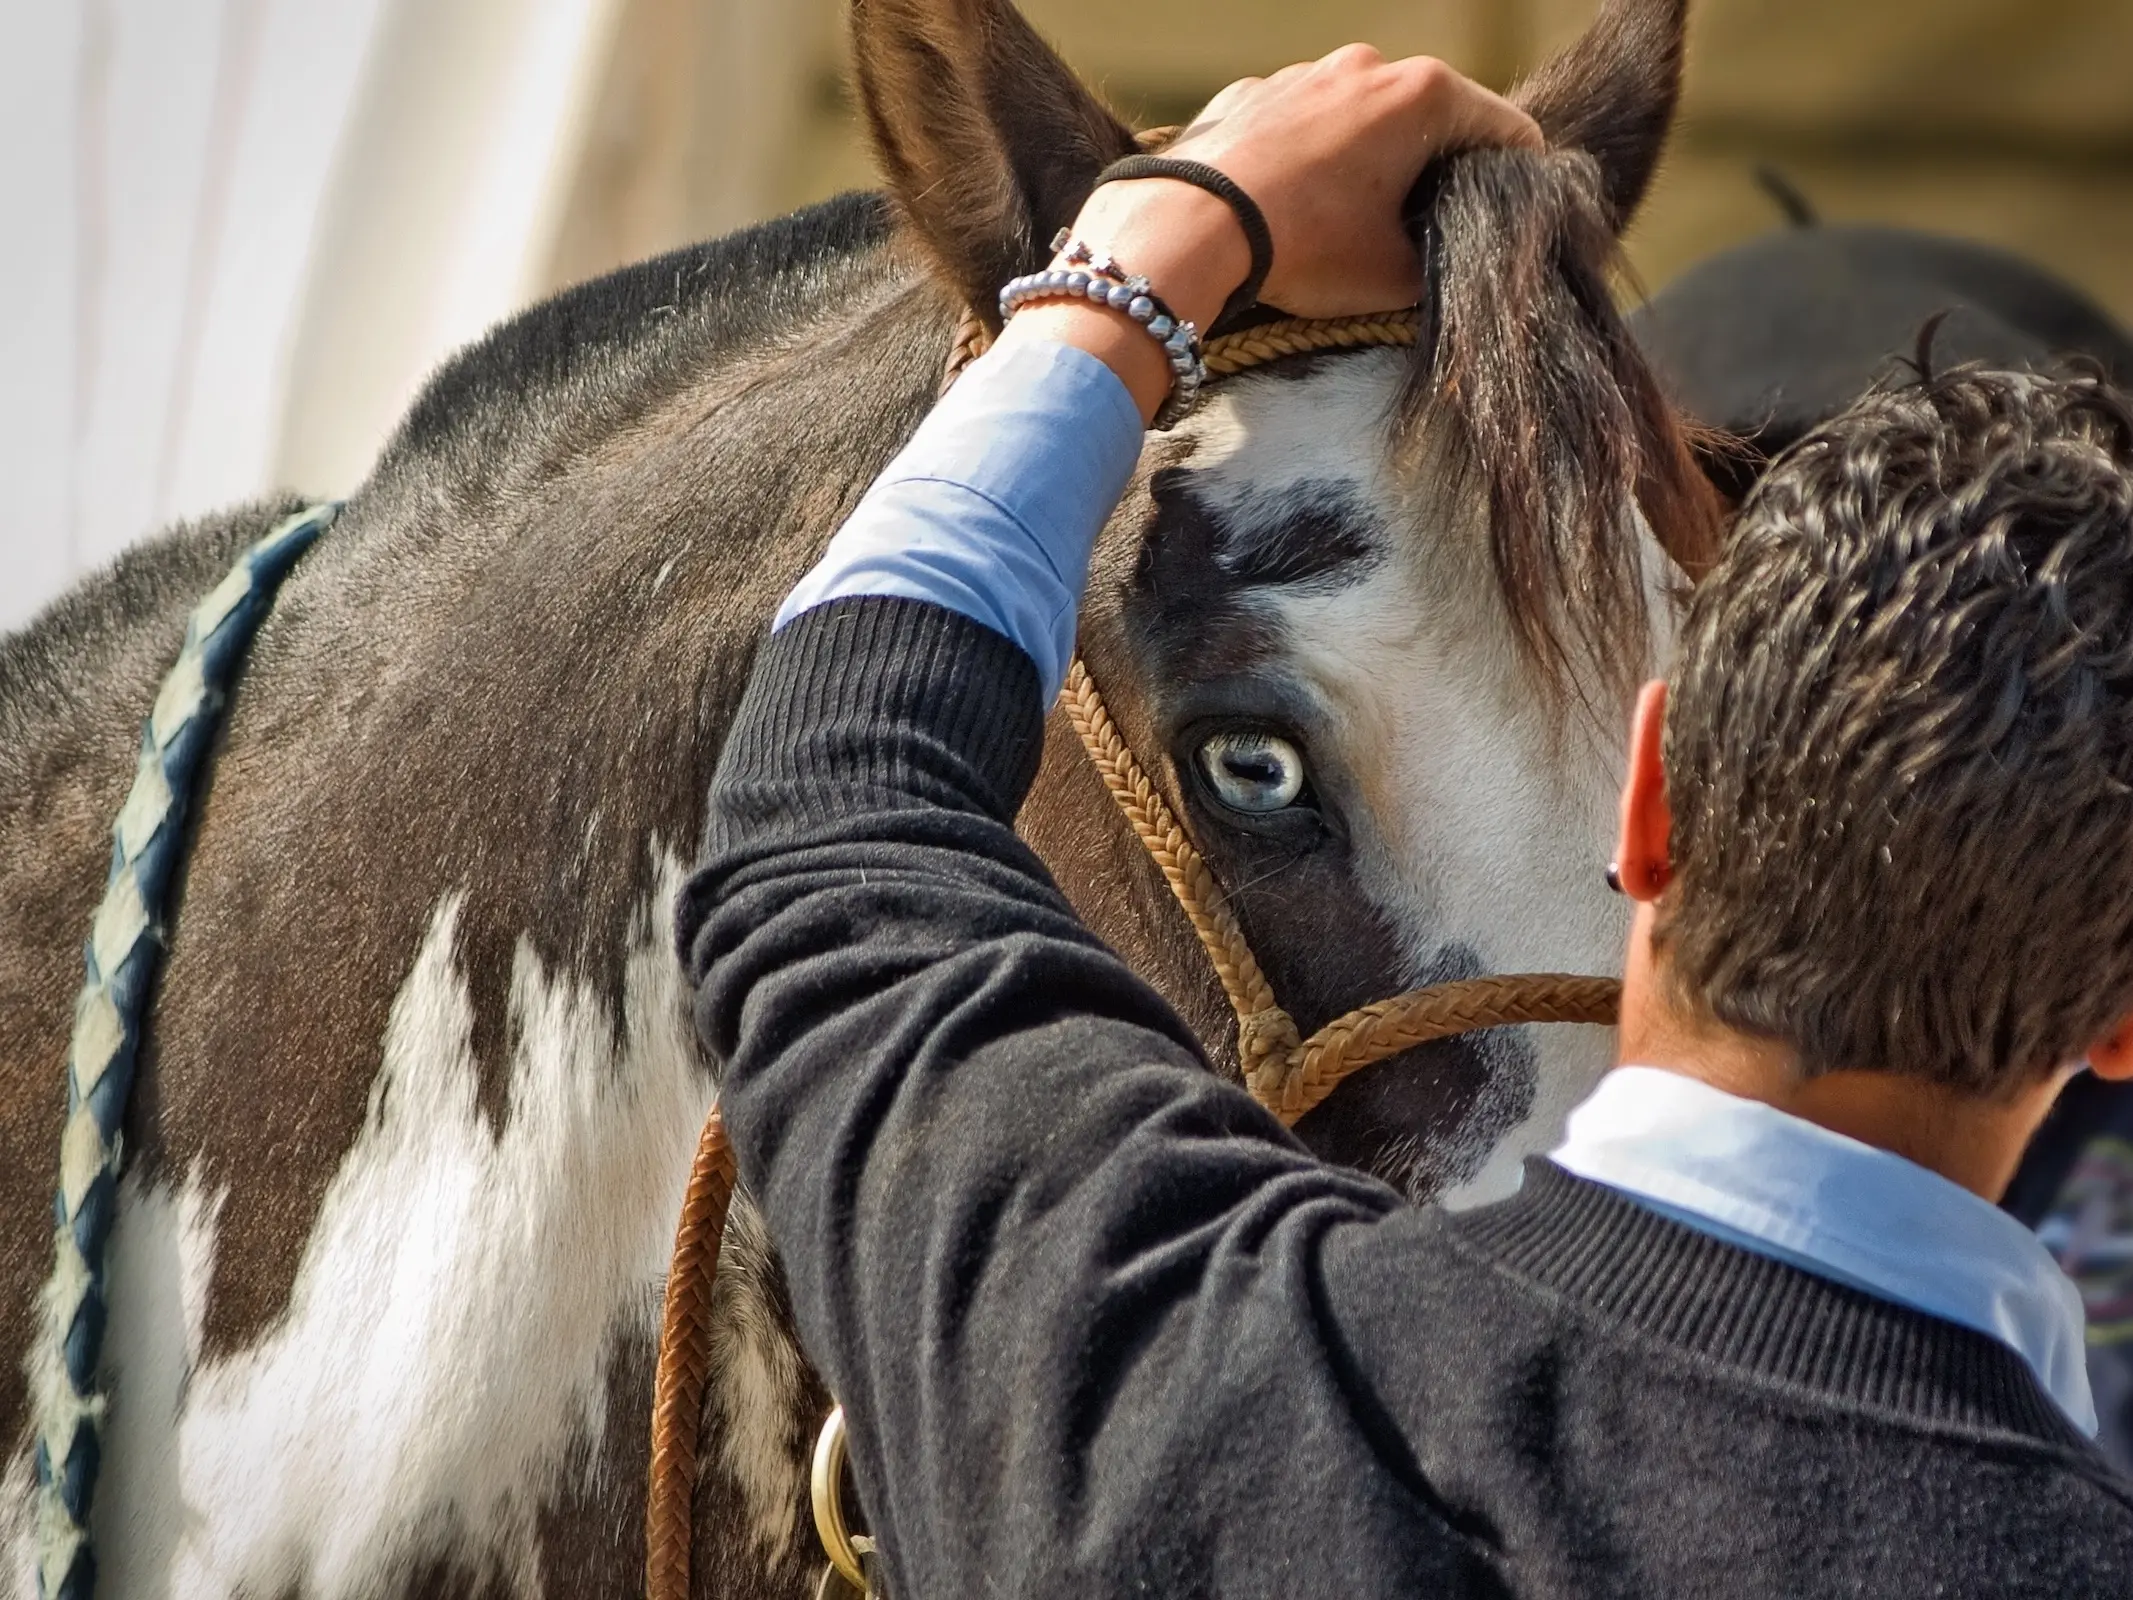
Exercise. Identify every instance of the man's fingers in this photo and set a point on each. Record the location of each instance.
(1353, 56)
(1490, 119)
(1225, 99)
(1328, 148)
(1462, 113)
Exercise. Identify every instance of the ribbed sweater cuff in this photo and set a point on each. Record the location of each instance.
(901, 701)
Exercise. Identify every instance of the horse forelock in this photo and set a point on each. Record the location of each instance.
(1528, 400)
(1559, 418)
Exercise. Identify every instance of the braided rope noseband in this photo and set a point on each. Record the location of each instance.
(123, 951)
(1285, 1072)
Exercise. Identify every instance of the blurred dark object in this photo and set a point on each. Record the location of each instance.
(1798, 209)
(2076, 1189)
(1773, 337)
(1769, 338)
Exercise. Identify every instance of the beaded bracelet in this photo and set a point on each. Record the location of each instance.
(1095, 277)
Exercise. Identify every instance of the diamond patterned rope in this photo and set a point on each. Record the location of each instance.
(123, 952)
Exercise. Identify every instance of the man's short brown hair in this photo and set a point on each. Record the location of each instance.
(1899, 740)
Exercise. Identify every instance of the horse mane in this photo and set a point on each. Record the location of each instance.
(56, 670)
(728, 293)
(1558, 414)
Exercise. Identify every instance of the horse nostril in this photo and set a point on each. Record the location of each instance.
(1252, 772)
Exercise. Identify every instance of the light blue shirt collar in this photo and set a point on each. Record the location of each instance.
(1776, 1184)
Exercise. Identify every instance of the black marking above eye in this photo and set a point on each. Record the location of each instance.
(1252, 772)
(1209, 538)
(1309, 534)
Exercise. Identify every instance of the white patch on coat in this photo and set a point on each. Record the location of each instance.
(162, 1253)
(1477, 818)
(447, 1340)
(18, 1526)
(760, 1385)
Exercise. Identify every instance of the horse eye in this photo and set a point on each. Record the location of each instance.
(1253, 772)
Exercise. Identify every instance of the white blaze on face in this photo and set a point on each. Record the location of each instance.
(1478, 817)
(443, 1360)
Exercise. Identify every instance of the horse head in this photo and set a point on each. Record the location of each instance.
(1371, 618)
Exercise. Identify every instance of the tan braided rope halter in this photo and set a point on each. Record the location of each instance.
(1286, 1073)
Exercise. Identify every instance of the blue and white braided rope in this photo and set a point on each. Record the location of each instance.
(123, 951)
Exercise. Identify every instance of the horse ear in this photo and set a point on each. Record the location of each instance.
(1613, 94)
(988, 141)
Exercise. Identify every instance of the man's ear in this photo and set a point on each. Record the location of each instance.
(1643, 860)
(988, 142)
(2112, 1055)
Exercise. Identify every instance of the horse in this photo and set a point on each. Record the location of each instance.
(1765, 341)
(415, 1109)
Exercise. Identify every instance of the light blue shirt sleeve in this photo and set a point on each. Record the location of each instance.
(994, 506)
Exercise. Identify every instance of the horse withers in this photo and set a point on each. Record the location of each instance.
(418, 1096)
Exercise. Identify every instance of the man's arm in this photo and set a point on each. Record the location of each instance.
(1082, 1300)
(1092, 1312)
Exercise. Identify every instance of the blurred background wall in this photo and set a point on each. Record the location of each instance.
(234, 234)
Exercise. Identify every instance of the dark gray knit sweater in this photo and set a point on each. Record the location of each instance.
(1103, 1329)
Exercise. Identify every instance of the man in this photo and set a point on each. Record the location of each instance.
(1756, 1329)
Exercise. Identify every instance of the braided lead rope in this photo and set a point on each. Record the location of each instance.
(685, 1366)
(1373, 1033)
(122, 954)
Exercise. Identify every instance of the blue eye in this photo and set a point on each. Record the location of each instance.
(1252, 772)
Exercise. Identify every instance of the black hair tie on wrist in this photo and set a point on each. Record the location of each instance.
(1224, 188)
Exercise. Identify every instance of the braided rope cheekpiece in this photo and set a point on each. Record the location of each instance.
(1286, 1073)
(123, 952)
(1267, 1033)
(685, 1366)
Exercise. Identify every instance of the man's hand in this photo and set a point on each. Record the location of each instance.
(1330, 150)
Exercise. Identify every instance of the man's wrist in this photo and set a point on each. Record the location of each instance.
(1189, 246)
(1183, 240)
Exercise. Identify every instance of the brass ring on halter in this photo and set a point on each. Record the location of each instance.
(825, 1489)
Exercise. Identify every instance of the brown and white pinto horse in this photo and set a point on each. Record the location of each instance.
(420, 1089)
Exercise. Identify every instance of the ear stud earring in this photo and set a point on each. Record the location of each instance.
(1614, 876)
